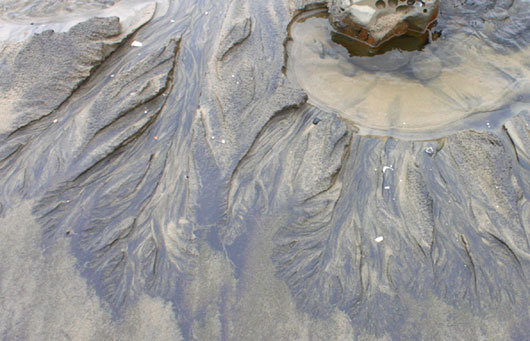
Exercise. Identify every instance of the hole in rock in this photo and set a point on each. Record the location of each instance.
(380, 4)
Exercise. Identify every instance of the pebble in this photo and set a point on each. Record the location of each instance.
(385, 168)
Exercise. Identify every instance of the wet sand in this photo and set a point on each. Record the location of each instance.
(188, 187)
(423, 91)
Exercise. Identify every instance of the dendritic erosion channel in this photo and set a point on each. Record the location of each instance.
(157, 136)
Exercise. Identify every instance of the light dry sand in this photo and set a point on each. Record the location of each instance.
(44, 297)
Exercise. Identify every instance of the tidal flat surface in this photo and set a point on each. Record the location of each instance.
(171, 170)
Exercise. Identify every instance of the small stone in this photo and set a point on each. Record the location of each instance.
(363, 14)
(379, 239)
(316, 121)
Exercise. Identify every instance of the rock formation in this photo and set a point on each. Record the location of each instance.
(376, 21)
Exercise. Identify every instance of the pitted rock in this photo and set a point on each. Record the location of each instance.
(376, 21)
